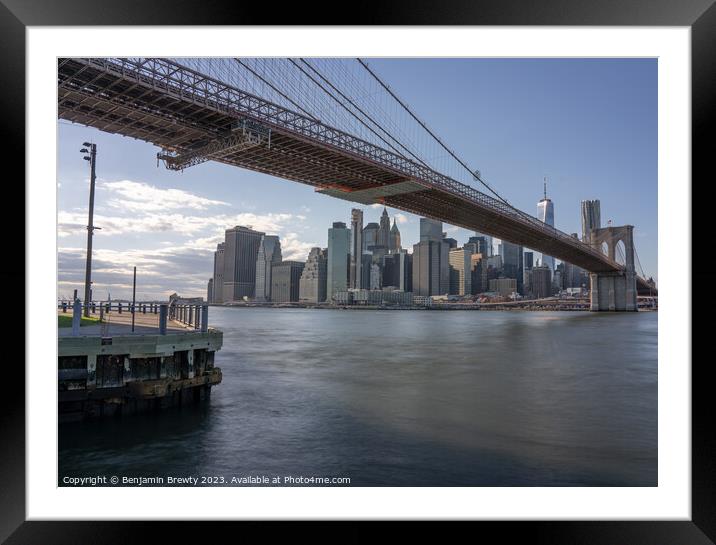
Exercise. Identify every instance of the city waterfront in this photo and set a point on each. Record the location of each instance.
(498, 398)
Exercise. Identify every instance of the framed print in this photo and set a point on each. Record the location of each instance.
(387, 270)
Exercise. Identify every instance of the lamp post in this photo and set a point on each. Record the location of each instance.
(92, 158)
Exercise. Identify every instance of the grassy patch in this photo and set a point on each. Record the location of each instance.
(65, 320)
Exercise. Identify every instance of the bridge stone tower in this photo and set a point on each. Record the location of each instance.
(614, 291)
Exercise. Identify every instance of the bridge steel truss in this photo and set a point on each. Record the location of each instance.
(185, 112)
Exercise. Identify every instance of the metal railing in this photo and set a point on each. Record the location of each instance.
(195, 316)
(152, 314)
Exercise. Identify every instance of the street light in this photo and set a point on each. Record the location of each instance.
(92, 150)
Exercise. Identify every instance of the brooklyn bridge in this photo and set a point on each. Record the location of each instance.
(311, 123)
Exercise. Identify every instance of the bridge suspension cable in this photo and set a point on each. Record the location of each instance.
(373, 121)
(366, 125)
(474, 173)
(350, 96)
(621, 258)
(636, 255)
(276, 89)
(369, 123)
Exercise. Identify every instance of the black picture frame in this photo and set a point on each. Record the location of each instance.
(699, 15)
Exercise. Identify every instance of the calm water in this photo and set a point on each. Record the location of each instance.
(405, 398)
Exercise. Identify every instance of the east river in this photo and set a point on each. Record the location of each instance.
(403, 398)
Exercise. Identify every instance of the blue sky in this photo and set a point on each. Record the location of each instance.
(588, 125)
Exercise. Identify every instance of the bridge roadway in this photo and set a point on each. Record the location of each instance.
(186, 113)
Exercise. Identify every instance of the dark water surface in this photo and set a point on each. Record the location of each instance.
(405, 398)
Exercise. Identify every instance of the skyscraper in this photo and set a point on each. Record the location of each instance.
(394, 246)
(241, 248)
(558, 277)
(527, 264)
(268, 254)
(431, 230)
(512, 262)
(398, 271)
(478, 273)
(391, 270)
(356, 248)
(431, 273)
(591, 219)
(545, 209)
(384, 231)
(370, 236)
(367, 260)
(339, 243)
(487, 251)
(541, 282)
(406, 271)
(218, 291)
(451, 242)
(377, 256)
(312, 287)
(528, 260)
(285, 280)
(460, 260)
(491, 268)
(480, 245)
(376, 277)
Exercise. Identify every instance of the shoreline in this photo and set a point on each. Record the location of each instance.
(491, 307)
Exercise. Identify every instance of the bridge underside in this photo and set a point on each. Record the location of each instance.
(163, 109)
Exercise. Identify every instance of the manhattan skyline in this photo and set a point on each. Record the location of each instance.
(589, 126)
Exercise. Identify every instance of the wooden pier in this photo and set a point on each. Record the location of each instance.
(159, 356)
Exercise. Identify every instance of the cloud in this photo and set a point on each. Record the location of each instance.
(69, 223)
(159, 271)
(182, 262)
(140, 197)
(401, 218)
(268, 223)
(205, 243)
(294, 249)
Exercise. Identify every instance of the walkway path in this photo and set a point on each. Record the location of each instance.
(121, 324)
